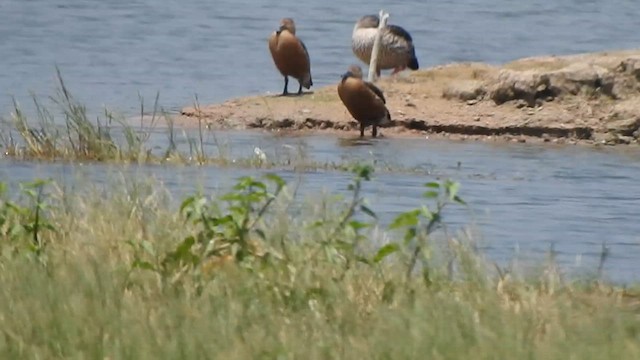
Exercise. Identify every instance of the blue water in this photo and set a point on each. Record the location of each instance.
(111, 51)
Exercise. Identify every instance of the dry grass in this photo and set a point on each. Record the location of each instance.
(81, 297)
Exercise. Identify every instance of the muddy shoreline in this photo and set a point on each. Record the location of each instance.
(585, 98)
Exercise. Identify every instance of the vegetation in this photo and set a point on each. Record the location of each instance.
(252, 274)
(68, 133)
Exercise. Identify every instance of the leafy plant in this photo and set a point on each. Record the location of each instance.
(230, 232)
(23, 226)
(419, 224)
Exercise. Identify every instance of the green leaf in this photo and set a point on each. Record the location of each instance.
(430, 194)
(188, 202)
(409, 218)
(363, 171)
(433, 185)
(459, 200)
(452, 189)
(217, 221)
(193, 206)
(365, 209)
(385, 251)
(409, 235)
(426, 212)
(139, 264)
(183, 251)
(357, 225)
(243, 183)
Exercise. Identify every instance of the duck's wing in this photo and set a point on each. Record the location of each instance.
(304, 47)
(400, 32)
(376, 90)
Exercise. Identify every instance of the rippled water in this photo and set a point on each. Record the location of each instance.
(522, 196)
(108, 51)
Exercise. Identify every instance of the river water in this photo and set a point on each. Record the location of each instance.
(109, 51)
(523, 196)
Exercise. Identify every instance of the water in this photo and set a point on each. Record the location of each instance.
(523, 196)
(109, 51)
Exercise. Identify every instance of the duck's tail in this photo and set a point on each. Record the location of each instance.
(413, 61)
(307, 82)
(386, 120)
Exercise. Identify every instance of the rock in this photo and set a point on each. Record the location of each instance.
(520, 104)
(625, 127)
(581, 78)
(630, 66)
(628, 79)
(466, 90)
(536, 86)
(281, 123)
(512, 85)
(614, 139)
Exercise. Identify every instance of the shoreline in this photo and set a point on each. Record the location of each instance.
(591, 98)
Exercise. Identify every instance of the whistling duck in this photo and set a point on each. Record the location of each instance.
(364, 100)
(290, 55)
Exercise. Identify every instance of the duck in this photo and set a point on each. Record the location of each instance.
(397, 51)
(290, 55)
(364, 101)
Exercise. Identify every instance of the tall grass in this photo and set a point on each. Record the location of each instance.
(122, 274)
(64, 130)
(69, 133)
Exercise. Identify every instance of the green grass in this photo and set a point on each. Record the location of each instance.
(124, 274)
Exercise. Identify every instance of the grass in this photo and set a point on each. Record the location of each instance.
(66, 132)
(121, 273)
(73, 136)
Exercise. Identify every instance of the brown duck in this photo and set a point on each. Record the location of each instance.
(365, 102)
(290, 55)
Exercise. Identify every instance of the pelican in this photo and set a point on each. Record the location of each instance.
(396, 50)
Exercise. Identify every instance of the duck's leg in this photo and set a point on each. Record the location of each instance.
(361, 129)
(374, 131)
(286, 84)
(300, 89)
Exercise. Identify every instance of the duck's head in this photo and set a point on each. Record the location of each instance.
(287, 24)
(354, 71)
(368, 21)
